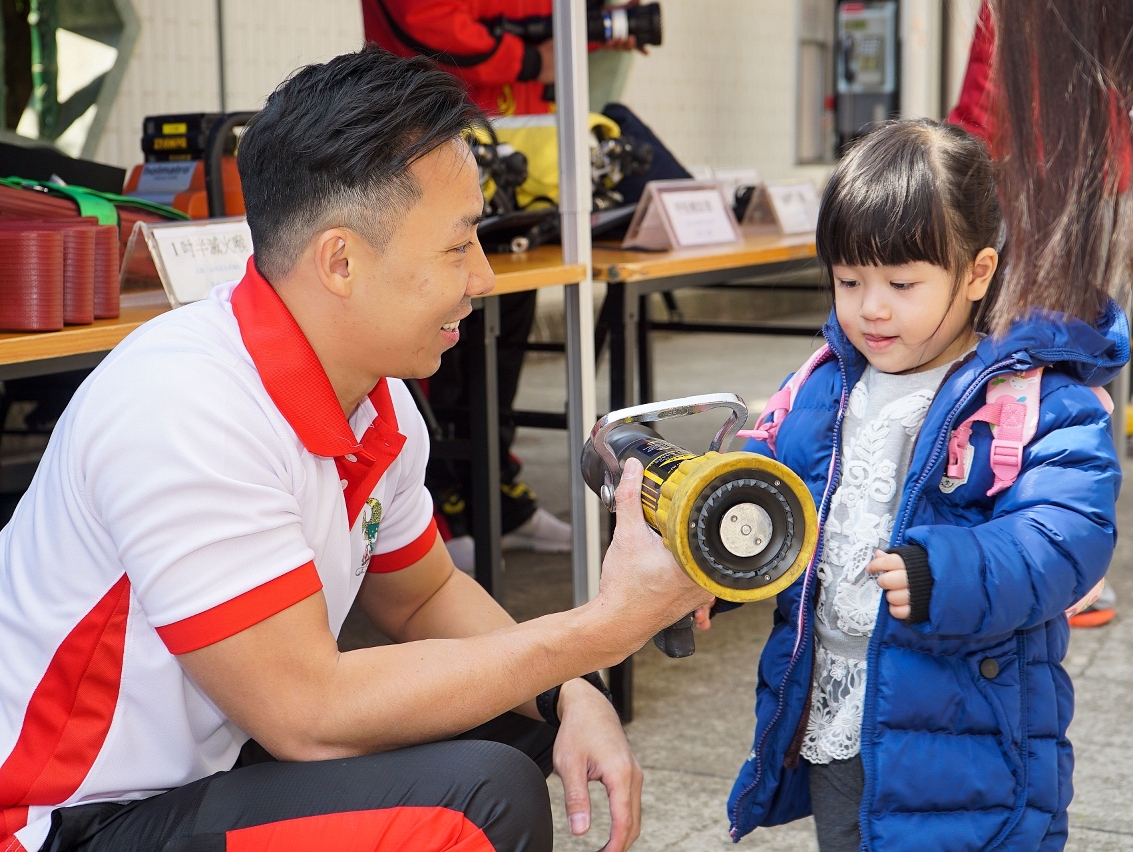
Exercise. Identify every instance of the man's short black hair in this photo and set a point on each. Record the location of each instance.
(333, 145)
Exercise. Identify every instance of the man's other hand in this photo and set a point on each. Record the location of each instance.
(547, 68)
(591, 746)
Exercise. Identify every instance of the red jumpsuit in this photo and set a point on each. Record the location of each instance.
(499, 73)
(973, 109)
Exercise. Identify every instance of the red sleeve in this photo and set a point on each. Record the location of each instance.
(446, 31)
(241, 612)
(387, 563)
(973, 109)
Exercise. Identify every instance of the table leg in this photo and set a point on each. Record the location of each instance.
(621, 688)
(623, 317)
(644, 351)
(624, 302)
(482, 326)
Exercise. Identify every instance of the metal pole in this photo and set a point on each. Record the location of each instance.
(222, 83)
(572, 104)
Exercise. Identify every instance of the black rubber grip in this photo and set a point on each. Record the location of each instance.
(679, 640)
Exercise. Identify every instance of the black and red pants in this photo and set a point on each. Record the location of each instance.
(483, 792)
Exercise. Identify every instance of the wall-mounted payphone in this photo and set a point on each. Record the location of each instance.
(866, 49)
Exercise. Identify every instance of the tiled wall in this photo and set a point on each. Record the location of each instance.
(265, 40)
(173, 69)
(174, 66)
(721, 91)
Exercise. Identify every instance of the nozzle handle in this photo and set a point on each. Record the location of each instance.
(678, 640)
(665, 410)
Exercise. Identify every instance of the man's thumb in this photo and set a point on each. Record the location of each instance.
(577, 797)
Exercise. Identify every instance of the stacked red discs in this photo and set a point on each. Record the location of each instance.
(31, 280)
(106, 268)
(78, 275)
(87, 255)
(78, 262)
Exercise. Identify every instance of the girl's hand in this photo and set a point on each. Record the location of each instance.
(891, 576)
(702, 617)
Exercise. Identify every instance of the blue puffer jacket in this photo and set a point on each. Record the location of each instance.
(957, 756)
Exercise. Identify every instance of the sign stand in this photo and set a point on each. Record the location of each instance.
(681, 214)
(785, 207)
(187, 259)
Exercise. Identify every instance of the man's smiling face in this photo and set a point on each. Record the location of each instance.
(417, 288)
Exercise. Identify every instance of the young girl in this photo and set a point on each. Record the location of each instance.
(911, 693)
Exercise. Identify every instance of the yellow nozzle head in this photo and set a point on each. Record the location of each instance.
(741, 525)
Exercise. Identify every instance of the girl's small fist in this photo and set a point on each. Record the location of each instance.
(893, 578)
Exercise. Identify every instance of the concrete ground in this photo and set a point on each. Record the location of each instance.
(694, 723)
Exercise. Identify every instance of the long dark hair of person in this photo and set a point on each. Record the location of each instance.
(1064, 87)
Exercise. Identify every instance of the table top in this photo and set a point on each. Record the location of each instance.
(622, 266)
(101, 336)
(542, 267)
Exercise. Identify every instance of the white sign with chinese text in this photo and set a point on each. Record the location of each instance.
(193, 257)
(698, 217)
(796, 206)
(681, 214)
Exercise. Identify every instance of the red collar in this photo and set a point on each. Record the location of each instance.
(292, 374)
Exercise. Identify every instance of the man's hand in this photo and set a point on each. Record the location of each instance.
(891, 576)
(591, 746)
(638, 572)
(547, 67)
(629, 42)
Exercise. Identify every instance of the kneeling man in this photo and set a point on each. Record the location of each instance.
(235, 475)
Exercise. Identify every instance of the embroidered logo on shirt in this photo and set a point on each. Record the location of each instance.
(371, 517)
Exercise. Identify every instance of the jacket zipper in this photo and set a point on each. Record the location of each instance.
(831, 483)
(869, 706)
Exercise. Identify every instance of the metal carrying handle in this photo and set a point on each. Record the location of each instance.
(651, 412)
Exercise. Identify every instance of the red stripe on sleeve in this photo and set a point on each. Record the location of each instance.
(240, 613)
(69, 712)
(420, 829)
(395, 560)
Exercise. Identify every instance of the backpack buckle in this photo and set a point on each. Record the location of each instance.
(1006, 462)
(956, 454)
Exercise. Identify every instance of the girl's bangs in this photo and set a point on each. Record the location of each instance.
(879, 211)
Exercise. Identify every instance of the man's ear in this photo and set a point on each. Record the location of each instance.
(983, 268)
(336, 261)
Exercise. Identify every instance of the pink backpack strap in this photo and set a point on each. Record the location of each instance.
(766, 428)
(1012, 410)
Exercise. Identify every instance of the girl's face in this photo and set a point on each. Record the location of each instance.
(905, 319)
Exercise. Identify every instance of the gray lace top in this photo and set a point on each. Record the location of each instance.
(884, 416)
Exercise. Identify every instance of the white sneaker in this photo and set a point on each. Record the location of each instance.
(542, 533)
(462, 549)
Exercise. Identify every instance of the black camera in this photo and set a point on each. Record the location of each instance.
(602, 25)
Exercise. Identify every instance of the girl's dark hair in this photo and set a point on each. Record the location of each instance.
(1063, 86)
(910, 191)
(333, 145)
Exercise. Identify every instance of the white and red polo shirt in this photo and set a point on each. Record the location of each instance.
(202, 479)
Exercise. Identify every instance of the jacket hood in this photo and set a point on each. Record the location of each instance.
(1091, 354)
